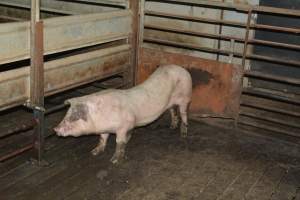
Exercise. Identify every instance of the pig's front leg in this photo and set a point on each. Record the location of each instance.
(121, 139)
(174, 118)
(101, 145)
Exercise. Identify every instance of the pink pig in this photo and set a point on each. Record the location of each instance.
(118, 111)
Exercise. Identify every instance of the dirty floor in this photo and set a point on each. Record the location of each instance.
(213, 164)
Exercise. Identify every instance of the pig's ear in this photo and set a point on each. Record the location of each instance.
(69, 102)
(79, 111)
(94, 104)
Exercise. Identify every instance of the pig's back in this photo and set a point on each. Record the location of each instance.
(167, 86)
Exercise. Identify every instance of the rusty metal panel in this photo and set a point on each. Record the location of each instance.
(216, 86)
(64, 33)
(64, 74)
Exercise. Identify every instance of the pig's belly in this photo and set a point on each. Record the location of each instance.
(142, 121)
(150, 100)
(151, 111)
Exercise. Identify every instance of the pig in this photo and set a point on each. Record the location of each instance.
(118, 111)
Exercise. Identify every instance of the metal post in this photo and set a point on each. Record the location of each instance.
(220, 31)
(37, 78)
(142, 22)
(232, 49)
(248, 26)
(134, 39)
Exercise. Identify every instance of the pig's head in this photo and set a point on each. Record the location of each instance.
(77, 120)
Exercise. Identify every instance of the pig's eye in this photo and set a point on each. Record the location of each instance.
(79, 111)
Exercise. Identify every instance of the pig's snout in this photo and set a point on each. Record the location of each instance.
(58, 130)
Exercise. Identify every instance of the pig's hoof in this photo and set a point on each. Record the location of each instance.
(173, 126)
(96, 151)
(184, 130)
(116, 159)
(174, 123)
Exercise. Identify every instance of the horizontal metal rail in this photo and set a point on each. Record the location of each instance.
(283, 79)
(272, 128)
(16, 152)
(108, 3)
(220, 37)
(266, 93)
(11, 18)
(192, 33)
(55, 109)
(274, 60)
(186, 46)
(221, 22)
(220, 51)
(232, 6)
(29, 125)
(24, 127)
(269, 108)
(274, 44)
(248, 113)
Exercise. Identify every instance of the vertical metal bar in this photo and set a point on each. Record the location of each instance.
(37, 78)
(142, 21)
(248, 26)
(232, 49)
(220, 32)
(134, 39)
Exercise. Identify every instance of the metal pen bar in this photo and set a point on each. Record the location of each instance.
(221, 22)
(16, 152)
(269, 108)
(270, 119)
(260, 75)
(37, 78)
(220, 31)
(192, 33)
(221, 51)
(247, 38)
(221, 37)
(23, 127)
(267, 127)
(269, 94)
(233, 6)
(134, 6)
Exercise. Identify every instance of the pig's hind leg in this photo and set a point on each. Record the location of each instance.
(183, 108)
(174, 117)
(101, 145)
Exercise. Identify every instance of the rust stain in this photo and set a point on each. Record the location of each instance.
(216, 86)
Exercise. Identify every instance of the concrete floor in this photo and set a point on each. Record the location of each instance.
(213, 164)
